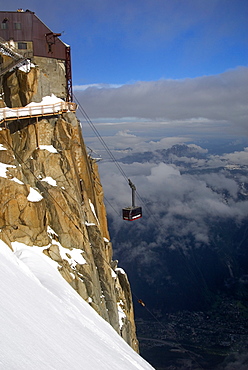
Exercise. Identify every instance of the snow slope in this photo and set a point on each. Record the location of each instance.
(46, 325)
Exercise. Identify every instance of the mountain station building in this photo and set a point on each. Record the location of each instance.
(23, 36)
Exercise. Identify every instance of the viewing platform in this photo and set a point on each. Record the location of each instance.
(56, 106)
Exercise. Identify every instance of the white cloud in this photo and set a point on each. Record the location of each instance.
(125, 133)
(97, 86)
(208, 103)
(180, 205)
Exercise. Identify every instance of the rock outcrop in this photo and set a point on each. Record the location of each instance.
(51, 198)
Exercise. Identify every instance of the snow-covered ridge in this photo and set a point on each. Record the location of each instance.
(45, 324)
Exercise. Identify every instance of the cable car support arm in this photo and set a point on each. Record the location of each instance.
(132, 186)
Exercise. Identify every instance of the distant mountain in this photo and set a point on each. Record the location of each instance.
(166, 155)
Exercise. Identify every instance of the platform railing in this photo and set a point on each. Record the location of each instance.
(35, 110)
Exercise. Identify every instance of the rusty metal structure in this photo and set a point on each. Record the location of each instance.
(32, 38)
(68, 74)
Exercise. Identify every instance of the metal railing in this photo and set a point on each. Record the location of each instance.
(11, 50)
(12, 65)
(17, 56)
(36, 110)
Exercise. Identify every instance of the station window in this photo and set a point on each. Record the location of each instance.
(17, 26)
(4, 26)
(22, 45)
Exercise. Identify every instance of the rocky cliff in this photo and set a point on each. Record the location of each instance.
(51, 199)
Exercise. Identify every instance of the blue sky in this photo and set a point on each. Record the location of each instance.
(118, 42)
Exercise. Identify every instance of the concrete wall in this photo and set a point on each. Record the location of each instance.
(52, 78)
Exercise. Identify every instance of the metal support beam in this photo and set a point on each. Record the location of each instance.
(132, 186)
(69, 97)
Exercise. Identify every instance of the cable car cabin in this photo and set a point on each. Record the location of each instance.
(131, 213)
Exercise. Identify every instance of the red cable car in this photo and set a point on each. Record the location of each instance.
(132, 213)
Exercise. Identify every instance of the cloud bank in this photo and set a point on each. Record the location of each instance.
(217, 100)
(180, 200)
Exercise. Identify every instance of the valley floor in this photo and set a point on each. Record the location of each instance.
(197, 340)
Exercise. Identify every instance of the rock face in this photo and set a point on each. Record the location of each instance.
(19, 87)
(51, 197)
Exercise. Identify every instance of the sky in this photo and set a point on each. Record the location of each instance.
(53, 328)
(119, 42)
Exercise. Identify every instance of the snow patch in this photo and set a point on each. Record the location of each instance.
(50, 231)
(17, 180)
(121, 313)
(46, 100)
(50, 181)
(2, 147)
(89, 223)
(119, 269)
(34, 196)
(73, 256)
(26, 66)
(3, 169)
(76, 257)
(93, 210)
(113, 274)
(49, 148)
